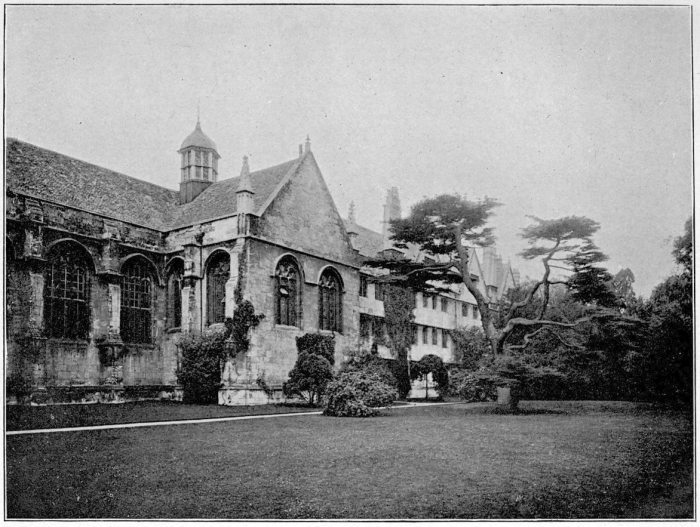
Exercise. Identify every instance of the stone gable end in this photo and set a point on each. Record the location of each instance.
(304, 216)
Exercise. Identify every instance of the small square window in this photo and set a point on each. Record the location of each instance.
(378, 291)
(363, 286)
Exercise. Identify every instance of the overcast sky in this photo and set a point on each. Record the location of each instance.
(551, 110)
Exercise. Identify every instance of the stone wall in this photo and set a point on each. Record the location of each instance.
(273, 350)
(50, 367)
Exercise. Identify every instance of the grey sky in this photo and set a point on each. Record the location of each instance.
(551, 110)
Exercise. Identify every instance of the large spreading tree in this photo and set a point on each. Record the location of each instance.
(447, 226)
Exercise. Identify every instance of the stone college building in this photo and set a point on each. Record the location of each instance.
(104, 272)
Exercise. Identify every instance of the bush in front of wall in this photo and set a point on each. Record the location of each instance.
(308, 378)
(317, 344)
(203, 355)
(358, 393)
(199, 372)
(373, 363)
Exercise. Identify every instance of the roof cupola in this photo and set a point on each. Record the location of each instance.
(199, 164)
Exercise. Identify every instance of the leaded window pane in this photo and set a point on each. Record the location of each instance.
(66, 295)
(217, 276)
(137, 302)
(330, 305)
(287, 294)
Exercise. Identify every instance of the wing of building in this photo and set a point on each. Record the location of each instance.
(435, 314)
(105, 272)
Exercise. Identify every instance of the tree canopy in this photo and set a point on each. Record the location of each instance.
(446, 227)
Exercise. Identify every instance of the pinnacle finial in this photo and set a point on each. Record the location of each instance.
(245, 184)
(308, 144)
(351, 212)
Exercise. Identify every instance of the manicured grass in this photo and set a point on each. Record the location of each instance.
(70, 415)
(557, 460)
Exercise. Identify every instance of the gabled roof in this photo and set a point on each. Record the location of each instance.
(367, 241)
(48, 175)
(43, 174)
(219, 199)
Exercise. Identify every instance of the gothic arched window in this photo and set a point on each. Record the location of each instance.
(330, 305)
(137, 302)
(287, 294)
(174, 313)
(67, 294)
(217, 275)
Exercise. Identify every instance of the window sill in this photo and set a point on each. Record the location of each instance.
(329, 332)
(173, 330)
(284, 327)
(63, 340)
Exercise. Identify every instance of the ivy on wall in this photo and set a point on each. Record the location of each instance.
(399, 303)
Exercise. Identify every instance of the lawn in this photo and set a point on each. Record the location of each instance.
(20, 417)
(557, 460)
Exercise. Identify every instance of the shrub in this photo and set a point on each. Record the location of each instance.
(478, 387)
(199, 372)
(317, 344)
(372, 363)
(308, 378)
(358, 394)
(203, 355)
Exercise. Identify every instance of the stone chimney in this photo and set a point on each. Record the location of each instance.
(351, 224)
(392, 211)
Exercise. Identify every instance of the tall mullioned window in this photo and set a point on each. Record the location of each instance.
(330, 306)
(287, 294)
(137, 302)
(174, 314)
(67, 294)
(218, 272)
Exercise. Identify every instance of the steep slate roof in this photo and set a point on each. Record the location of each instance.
(367, 242)
(43, 174)
(219, 199)
(55, 177)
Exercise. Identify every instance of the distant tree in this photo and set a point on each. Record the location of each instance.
(622, 284)
(683, 248)
(444, 227)
(664, 366)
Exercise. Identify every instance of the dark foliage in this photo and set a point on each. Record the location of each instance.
(431, 364)
(200, 367)
(308, 378)
(203, 355)
(313, 369)
(358, 394)
(399, 303)
(470, 346)
(317, 344)
(374, 364)
(683, 249)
